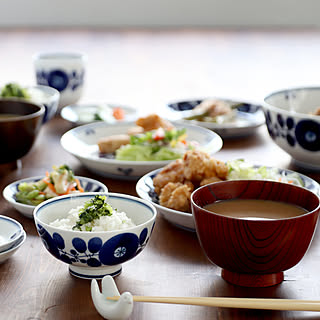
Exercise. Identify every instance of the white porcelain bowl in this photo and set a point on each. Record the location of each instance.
(10, 232)
(292, 126)
(5, 255)
(82, 143)
(88, 184)
(95, 254)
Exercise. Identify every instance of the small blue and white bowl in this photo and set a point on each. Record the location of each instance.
(9, 192)
(5, 255)
(93, 255)
(293, 127)
(11, 231)
(46, 96)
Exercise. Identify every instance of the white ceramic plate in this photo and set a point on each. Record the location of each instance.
(84, 113)
(89, 185)
(82, 143)
(184, 220)
(248, 118)
(10, 232)
(5, 255)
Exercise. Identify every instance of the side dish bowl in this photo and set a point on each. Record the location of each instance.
(88, 184)
(254, 252)
(5, 255)
(293, 126)
(10, 232)
(95, 254)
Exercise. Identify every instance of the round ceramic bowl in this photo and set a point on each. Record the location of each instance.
(46, 96)
(293, 127)
(10, 232)
(88, 184)
(95, 254)
(254, 252)
(20, 122)
(5, 255)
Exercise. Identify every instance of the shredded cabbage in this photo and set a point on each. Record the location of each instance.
(239, 169)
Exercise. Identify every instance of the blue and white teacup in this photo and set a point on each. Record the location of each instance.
(63, 71)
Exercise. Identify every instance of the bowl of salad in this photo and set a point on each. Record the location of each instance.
(25, 194)
(170, 192)
(127, 151)
(43, 95)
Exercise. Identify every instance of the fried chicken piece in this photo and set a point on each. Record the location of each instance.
(317, 112)
(195, 165)
(176, 196)
(112, 143)
(209, 180)
(216, 167)
(173, 172)
(153, 122)
(213, 107)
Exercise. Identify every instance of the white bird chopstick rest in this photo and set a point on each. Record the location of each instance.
(108, 309)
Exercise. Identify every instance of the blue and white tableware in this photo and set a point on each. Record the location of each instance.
(9, 192)
(93, 255)
(10, 232)
(5, 255)
(293, 125)
(64, 71)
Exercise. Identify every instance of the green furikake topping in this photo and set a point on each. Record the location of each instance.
(93, 210)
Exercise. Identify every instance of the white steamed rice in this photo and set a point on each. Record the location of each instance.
(117, 221)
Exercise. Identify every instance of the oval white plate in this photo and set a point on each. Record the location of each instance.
(184, 220)
(88, 184)
(82, 143)
(249, 117)
(72, 113)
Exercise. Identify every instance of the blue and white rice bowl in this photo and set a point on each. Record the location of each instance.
(9, 192)
(293, 127)
(93, 255)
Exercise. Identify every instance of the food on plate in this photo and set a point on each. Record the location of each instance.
(153, 139)
(176, 181)
(59, 182)
(94, 216)
(317, 112)
(214, 110)
(14, 90)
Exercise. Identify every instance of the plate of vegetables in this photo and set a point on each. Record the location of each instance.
(170, 188)
(25, 194)
(129, 150)
(229, 118)
(80, 114)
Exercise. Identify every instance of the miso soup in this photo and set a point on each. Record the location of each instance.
(255, 209)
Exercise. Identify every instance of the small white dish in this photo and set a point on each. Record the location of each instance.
(184, 220)
(79, 114)
(81, 142)
(10, 232)
(88, 184)
(248, 118)
(5, 255)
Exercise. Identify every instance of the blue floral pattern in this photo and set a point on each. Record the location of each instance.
(95, 253)
(303, 133)
(60, 79)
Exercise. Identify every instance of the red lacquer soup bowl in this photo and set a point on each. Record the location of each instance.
(254, 253)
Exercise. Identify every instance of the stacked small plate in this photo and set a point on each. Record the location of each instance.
(12, 236)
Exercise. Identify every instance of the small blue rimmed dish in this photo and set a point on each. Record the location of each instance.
(88, 184)
(10, 232)
(95, 254)
(5, 255)
(247, 117)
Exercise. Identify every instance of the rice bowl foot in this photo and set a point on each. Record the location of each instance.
(95, 273)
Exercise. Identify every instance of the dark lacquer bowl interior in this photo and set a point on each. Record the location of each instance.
(20, 122)
(254, 253)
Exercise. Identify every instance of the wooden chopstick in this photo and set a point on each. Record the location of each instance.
(244, 303)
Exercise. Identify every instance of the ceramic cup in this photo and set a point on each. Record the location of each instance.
(63, 71)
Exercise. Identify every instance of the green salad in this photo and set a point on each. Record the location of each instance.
(59, 182)
(14, 90)
(155, 145)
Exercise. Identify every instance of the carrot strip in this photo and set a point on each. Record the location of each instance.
(79, 185)
(118, 113)
(50, 186)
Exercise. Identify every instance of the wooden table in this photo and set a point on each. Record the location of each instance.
(34, 285)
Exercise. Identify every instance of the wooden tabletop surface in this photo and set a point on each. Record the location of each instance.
(148, 69)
